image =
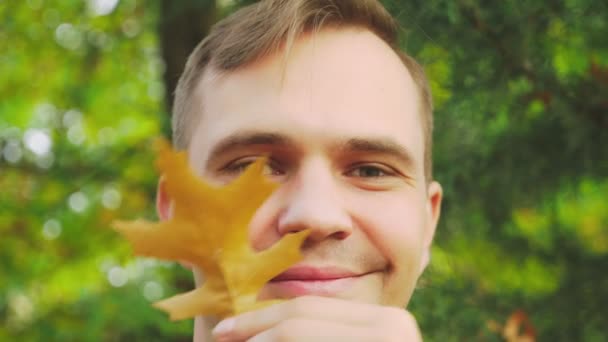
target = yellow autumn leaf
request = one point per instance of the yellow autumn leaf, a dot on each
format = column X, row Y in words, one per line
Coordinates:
column 209, row 228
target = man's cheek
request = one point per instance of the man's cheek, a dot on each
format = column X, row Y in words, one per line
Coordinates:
column 402, row 280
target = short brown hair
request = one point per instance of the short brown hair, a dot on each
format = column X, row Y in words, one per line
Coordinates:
column 268, row 26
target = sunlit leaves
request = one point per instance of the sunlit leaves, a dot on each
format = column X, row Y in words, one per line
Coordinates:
column 584, row 215
column 571, row 56
column 76, row 105
column 520, row 148
column 438, row 71
column 577, row 214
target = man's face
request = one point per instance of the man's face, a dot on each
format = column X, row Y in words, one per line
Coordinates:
column 339, row 120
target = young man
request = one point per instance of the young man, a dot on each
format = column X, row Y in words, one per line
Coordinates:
column 345, row 118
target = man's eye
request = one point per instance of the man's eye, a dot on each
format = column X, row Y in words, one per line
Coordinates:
column 369, row 171
column 239, row 166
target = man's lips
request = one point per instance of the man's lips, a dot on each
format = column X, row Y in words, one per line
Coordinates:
column 303, row 280
column 310, row 273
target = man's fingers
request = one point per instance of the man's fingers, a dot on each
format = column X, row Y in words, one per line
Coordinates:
column 337, row 311
column 321, row 308
column 296, row 330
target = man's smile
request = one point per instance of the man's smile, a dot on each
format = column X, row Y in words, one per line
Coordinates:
column 309, row 280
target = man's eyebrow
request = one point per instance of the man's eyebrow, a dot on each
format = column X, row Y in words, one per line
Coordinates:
column 243, row 139
column 385, row 146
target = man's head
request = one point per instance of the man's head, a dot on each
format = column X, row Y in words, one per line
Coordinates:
column 345, row 119
column 272, row 26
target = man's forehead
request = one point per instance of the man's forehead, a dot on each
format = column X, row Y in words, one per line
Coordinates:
column 349, row 48
column 325, row 86
column 368, row 81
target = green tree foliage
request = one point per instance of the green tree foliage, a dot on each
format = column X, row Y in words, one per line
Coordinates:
column 521, row 93
column 522, row 151
column 82, row 96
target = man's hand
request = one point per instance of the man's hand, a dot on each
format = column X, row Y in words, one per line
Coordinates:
column 312, row 318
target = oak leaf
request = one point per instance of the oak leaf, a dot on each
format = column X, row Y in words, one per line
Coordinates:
column 209, row 228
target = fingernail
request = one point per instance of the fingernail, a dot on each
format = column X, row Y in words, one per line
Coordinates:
column 223, row 327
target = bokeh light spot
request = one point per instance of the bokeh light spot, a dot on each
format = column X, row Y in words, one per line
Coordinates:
column 153, row 291
column 68, row 36
column 78, row 202
column 131, row 28
column 37, row 141
column 76, row 134
column 45, row 115
column 12, row 152
column 51, row 229
column 111, row 198
column 117, row 276
column 72, row 117
column 21, row 306
column 102, row 7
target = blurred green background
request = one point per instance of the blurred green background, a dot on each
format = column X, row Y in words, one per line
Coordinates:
column 521, row 148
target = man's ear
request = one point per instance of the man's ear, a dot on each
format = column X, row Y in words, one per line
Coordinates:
column 433, row 211
column 163, row 202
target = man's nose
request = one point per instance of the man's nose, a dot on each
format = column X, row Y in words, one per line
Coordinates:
column 313, row 201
